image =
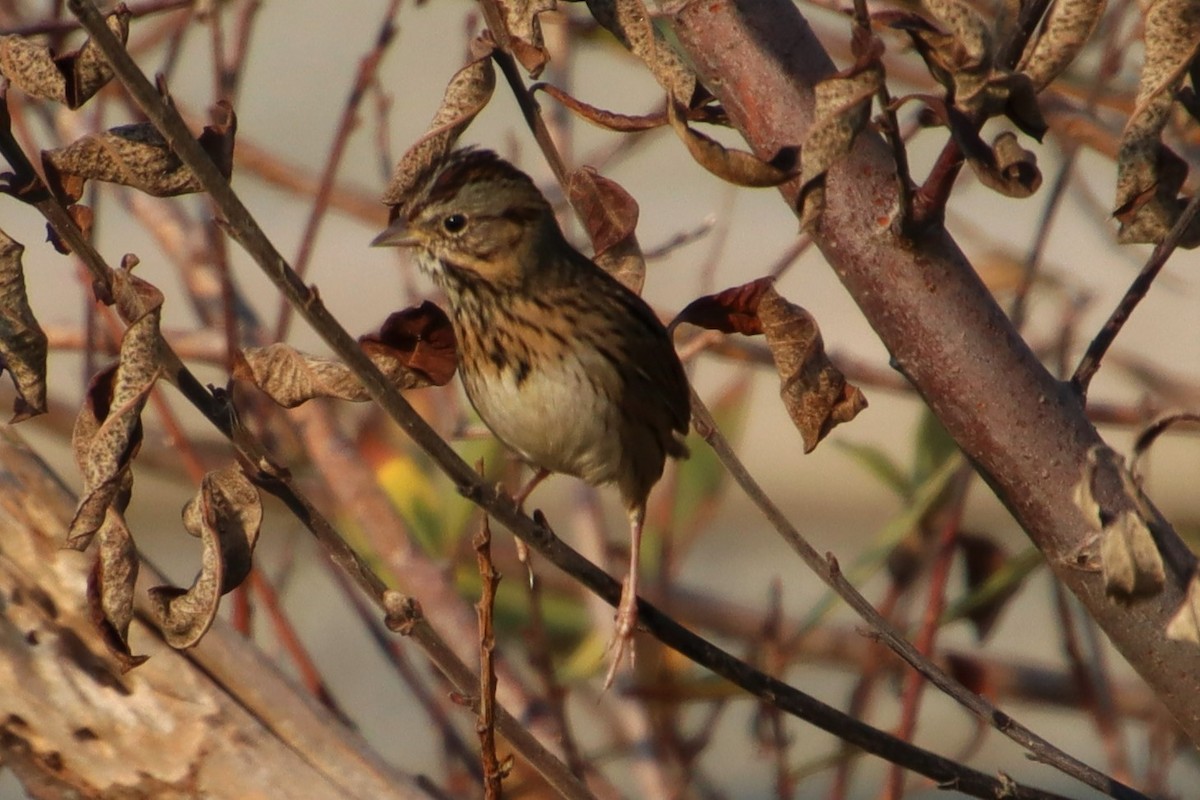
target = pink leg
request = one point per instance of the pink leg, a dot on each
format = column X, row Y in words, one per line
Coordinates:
column 519, row 498
column 627, row 609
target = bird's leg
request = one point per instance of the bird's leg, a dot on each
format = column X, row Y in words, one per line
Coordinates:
column 539, row 475
column 627, row 614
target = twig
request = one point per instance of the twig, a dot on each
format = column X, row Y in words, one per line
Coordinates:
column 929, row 203
column 392, row 648
column 1094, row 687
column 1086, row 369
column 64, row 25
column 368, row 66
column 485, row 726
column 828, row 570
column 269, row 476
column 525, row 100
column 404, row 614
column 938, row 578
column 891, row 127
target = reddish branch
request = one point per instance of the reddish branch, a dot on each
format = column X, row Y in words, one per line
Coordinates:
column 943, row 329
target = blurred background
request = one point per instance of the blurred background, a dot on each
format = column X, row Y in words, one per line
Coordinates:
column 847, row 496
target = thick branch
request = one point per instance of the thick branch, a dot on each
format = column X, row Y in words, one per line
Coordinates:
column 1026, row 432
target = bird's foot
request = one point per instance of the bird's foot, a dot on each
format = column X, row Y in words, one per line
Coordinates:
column 627, row 617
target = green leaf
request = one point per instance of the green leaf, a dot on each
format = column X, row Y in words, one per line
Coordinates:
column 924, row 498
column 933, row 447
column 1004, row 581
column 881, row 465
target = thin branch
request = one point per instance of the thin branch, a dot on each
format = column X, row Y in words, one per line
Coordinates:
column 525, row 99
column 827, row 569
column 1086, row 369
column 942, row 328
column 404, row 614
column 493, row 773
column 368, row 67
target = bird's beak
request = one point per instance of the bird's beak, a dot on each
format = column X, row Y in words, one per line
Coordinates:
column 398, row 234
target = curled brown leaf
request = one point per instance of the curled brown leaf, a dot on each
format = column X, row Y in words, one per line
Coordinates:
column 1012, row 170
column 815, row 393
column 734, row 310
column 414, row 348
column 983, row 559
column 1067, row 28
column 525, row 31
column 1148, row 435
column 1184, row 625
column 418, row 340
column 467, row 93
column 1005, row 166
column 71, row 78
column 735, row 166
column 958, row 49
column 629, row 21
column 1129, row 557
column 1149, row 175
column 610, row 215
column 290, row 377
column 110, row 588
column 137, row 156
column 225, row 515
column 609, row 120
column 23, row 344
column 108, row 429
column 842, row 111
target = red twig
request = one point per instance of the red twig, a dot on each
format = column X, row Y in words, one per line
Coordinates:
column 493, row 772
column 367, row 69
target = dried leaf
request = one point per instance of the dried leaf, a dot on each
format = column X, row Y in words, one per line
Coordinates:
column 629, row 21
column 959, row 52
column 23, row 344
column 1067, row 27
column 110, row 588
column 1184, row 626
column 609, row 120
column 815, row 393
column 984, row 560
column 1130, row 559
column 414, row 348
column 970, row 673
column 1005, row 167
column 225, row 515
column 1012, row 170
column 71, row 78
column 108, row 430
column 841, row 113
column 610, row 215
column 415, row 340
column 735, row 166
column 525, row 31
column 466, row 95
column 1129, row 556
column 734, row 310
column 137, row 156
column 1149, row 175
column 290, row 377
column 1149, row 435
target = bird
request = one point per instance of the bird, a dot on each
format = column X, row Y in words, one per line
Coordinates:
column 566, row 366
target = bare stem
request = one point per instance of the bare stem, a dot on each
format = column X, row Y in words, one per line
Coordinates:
column 1137, row 290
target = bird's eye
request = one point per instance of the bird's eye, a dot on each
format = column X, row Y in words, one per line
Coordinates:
column 454, row 223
